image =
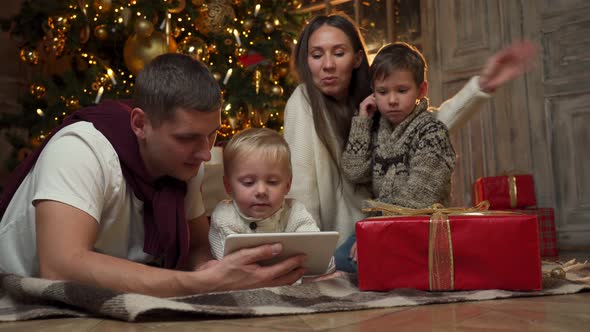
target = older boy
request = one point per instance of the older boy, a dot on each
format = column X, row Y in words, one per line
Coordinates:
column 405, row 155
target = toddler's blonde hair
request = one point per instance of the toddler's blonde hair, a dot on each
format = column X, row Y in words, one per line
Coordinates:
column 261, row 143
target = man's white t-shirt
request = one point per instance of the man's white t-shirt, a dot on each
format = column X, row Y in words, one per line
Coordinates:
column 80, row 167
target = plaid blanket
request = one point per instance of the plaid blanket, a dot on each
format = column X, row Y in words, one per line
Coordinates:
column 23, row 298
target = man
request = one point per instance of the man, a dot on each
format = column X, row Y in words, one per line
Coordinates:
column 115, row 191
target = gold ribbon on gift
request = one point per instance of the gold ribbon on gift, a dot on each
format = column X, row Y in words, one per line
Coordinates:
column 512, row 191
column 441, row 270
column 512, row 188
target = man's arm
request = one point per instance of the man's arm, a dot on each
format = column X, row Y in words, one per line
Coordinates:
column 65, row 240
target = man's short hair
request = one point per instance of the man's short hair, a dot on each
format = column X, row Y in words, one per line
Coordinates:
column 174, row 81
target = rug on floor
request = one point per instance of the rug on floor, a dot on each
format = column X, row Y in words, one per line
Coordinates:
column 23, row 298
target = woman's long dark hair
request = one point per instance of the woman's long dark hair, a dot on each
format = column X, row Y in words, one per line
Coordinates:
column 332, row 118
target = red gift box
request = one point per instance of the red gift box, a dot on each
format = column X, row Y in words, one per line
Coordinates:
column 507, row 191
column 487, row 251
column 547, row 236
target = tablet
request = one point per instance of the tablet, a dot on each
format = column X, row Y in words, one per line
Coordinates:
column 318, row 246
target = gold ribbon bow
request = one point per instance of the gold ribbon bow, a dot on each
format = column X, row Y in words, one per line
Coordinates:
column 441, row 271
column 395, row 210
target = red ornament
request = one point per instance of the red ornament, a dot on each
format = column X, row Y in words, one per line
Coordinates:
column 251, row 59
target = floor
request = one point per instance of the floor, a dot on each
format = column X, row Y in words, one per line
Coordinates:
column 548, row 313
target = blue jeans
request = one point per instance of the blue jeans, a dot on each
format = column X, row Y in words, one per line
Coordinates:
column 341, row 256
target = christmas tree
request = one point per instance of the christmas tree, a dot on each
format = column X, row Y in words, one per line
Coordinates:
column 82, row 51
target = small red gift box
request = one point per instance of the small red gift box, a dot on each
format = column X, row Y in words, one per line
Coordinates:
column 507, row 191
column 547, row 236
column 464, row 252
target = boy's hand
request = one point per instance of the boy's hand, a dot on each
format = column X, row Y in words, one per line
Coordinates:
column 353, row 253
column 368, row 106
column 507, row 64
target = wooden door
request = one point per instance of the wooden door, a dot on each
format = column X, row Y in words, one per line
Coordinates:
column 539, row 123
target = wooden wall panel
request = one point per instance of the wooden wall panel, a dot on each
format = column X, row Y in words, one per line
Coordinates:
column 537, row 123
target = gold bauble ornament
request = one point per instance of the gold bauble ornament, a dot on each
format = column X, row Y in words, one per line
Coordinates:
column 102, row 6
column 37, row 90
column 54, row 44
column 179, row 8
column 268, row 27
column 72, row 103
column 194, row 47
column 214, row 16
column 558, row 273
column 217, row 76
column 101, row 32
column 29, row 55
column 198, row 3
column 248, row 24
column 281, row 56
column 137, row 51
column 59, row 24
column 143, row 28
column 276, row 90
column 282, row 71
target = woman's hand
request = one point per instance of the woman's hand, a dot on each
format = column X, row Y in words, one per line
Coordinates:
column 368, row 106
column 507, row 64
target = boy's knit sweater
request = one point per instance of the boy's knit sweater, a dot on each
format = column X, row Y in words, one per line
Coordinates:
column 408, row 165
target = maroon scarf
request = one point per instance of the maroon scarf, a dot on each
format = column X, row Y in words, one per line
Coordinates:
column 166, row 229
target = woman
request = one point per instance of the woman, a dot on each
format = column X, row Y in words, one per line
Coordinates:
column 331, row 61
